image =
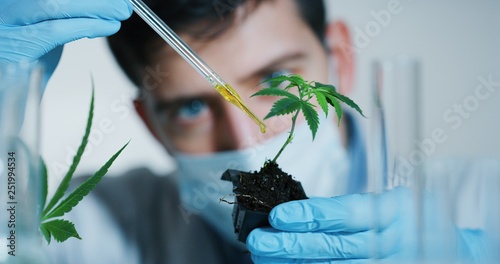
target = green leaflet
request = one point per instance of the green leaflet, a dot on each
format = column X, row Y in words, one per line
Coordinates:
column 325, row 86
column 284, row 106
column 349, row 102
column 45, row 232
column 320, row 97
column 61, row 230
column 276, row 81
column 44, row 183
column 297, row 80
column 311, row 117
column 338, row 109
column 275, row 91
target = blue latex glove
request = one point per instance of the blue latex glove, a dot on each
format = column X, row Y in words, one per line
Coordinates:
column 30, row 29
column 354, row 228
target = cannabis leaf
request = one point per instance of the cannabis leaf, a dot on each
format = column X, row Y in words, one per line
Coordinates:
column 325, row 95
column 284, row 106
column 61, row 229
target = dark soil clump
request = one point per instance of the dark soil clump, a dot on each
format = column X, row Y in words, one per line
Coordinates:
column 262, row 190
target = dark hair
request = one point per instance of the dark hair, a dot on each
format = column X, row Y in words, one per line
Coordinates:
column 135, row 42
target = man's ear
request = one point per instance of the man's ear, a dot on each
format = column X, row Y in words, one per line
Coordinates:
column 342, row 51
column 140, row 108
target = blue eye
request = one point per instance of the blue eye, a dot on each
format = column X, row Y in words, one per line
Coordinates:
column 192, row 109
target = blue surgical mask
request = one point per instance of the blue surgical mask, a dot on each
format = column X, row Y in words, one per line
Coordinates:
column 321, row 166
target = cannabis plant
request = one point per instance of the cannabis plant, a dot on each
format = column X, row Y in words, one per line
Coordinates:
column 290, row 103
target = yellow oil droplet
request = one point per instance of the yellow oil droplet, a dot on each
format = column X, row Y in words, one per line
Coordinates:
column 262, row 128
column 232, row 96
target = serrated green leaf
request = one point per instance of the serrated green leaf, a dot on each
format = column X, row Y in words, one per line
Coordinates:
column 318, row 85
column 297, row 79
column 324, row 90
column 290, row 85
column 338, row 109
column 276, row 81
column 44, row 185
column 45, row 233
column 274, row 91
column 311, row 116
column 284, row 106
column 63, row 186
column 320, row 97
column 77, row 195
column 349, row 102
column 61, row 230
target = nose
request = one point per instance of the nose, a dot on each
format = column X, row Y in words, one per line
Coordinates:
column 235, row 130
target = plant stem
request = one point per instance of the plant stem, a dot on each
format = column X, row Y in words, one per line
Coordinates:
column 290, row 136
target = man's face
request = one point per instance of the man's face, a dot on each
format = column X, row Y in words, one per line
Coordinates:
column 195, row 119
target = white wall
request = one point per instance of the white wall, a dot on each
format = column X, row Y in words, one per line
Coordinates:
column 456, row 41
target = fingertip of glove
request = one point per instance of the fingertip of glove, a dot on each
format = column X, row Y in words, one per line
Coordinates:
column 284, row 213
column 107, row 28
column 252, row 241
column 263, row 241
column 123, row 11
column 130, row 9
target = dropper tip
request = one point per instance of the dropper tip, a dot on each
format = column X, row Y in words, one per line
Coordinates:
column 262, row 128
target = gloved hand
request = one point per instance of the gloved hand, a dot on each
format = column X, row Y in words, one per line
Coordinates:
column 356, row 228
column 30, row 29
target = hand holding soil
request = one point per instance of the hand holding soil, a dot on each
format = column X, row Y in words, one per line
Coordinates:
column 258, row 192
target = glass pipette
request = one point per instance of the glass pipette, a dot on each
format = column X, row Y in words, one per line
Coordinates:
column 190, row 56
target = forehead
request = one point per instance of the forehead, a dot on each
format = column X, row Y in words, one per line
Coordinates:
column 273, row 30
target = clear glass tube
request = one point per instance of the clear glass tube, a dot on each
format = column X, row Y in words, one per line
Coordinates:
column 175, row 42
column 20, row 180
column 394, row 129
column 396, row 101
column 399, row 160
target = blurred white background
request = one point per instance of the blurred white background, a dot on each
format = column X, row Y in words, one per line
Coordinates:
column 456, row 42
